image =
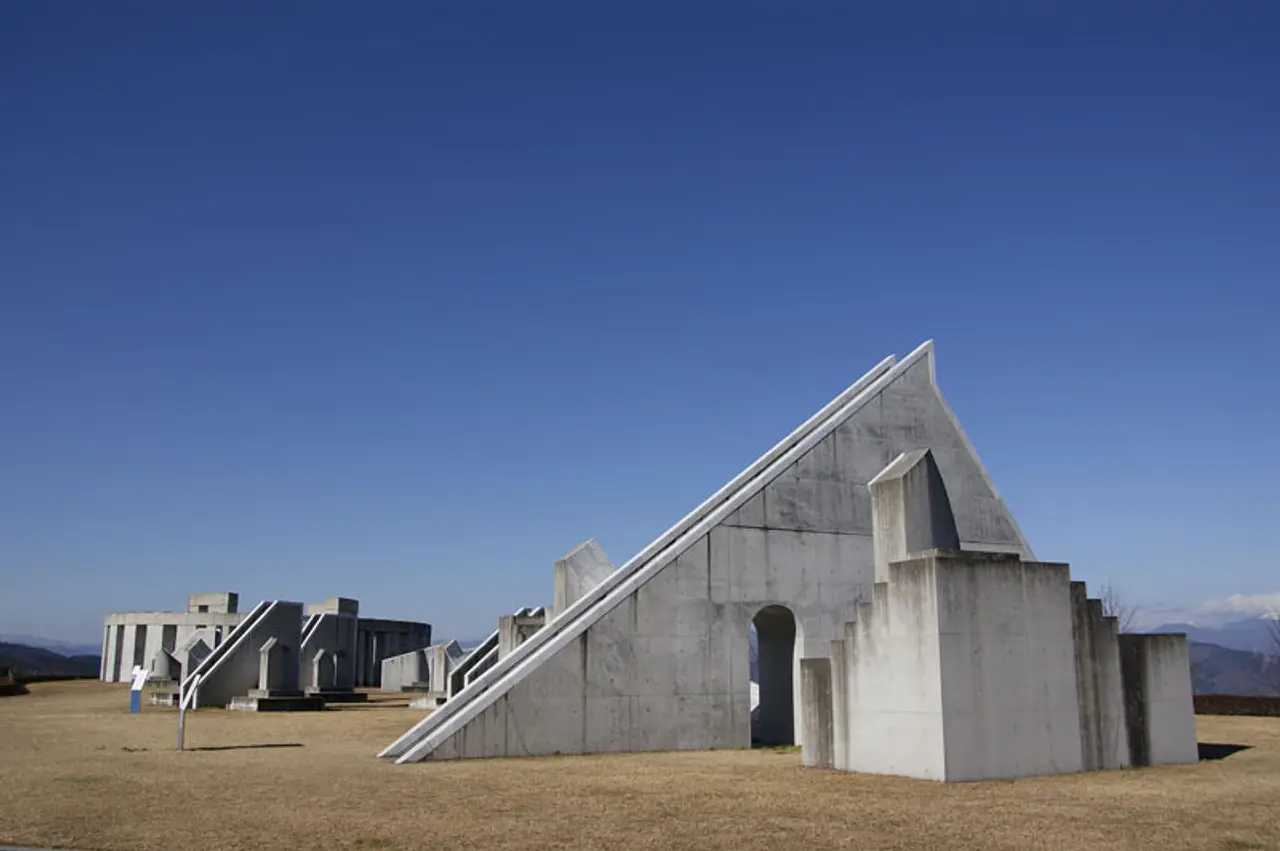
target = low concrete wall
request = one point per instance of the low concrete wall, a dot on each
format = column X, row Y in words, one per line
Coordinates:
column 1237, row 704
column 405, row 671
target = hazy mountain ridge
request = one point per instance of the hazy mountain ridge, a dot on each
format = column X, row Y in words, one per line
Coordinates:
column 1252, row 635
column 27, row 660
column 62, row 648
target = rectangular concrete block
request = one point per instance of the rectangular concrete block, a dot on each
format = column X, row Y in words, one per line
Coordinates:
column 1159, row 707
column 817, row 747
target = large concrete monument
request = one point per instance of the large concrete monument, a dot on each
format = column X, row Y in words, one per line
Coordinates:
column 655, row 655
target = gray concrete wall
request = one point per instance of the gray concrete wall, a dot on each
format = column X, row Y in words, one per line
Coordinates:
column 122, row 632
column 894, row 683
column 222, row 602
column 232, row 670
column 1159, row 706
column 405, row 671
column 336, row 634
column 514, row 630
column 379, row 639
column 1104, row 740
column 667, row 666
column 1009, row 700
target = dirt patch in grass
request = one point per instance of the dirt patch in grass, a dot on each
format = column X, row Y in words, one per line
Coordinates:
column 78, row 771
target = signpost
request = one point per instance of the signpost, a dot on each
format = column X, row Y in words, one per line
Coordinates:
column 186, row 695
column 140, row 675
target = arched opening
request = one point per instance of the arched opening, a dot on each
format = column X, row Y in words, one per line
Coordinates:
column 774, row 638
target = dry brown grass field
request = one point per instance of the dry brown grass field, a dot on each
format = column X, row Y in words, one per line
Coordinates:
column 78, row 771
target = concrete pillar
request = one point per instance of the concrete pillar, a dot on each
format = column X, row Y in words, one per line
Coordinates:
column 839, row 706
column 130, row 633
column 910, row 511
column 1113, row 731
column 108, row 653
column 1159, row 707
column 155, row 643
column 1086, row 679
column 815, row 697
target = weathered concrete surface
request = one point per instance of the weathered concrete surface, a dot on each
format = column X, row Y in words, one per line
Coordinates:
column 407, row 671
column 514, row 630
column 655, row 657
column 577, row 572
column 1159, row 707
column 335, row 632
column 380, row 639
column 815, row 688
column 1104, row 739
column 962, row 668
column 233, row 668
column 910, row 511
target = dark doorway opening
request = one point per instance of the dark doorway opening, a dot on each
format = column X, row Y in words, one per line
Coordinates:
column 773, row 720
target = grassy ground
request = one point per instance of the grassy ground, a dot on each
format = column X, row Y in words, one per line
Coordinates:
column 76, row 770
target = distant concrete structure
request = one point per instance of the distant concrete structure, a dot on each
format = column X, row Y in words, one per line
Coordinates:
column 138, row 638
column 171, row 643
column 655, row 655
column 382, row 639
column 330, row 642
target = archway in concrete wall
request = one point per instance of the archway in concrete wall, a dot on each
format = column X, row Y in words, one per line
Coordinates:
column 773, row 721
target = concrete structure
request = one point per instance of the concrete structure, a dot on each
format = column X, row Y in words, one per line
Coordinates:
column 977, row 666
column 577, row 572
column 514, row 630
column 137, row 638
column 655, row 656
column 407, row 672
column 169, row 643
column 330, row 638
column 382, row 639
column 259, row 658
column 1158, row 704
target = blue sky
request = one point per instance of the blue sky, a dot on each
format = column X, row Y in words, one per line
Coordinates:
column 402, row 301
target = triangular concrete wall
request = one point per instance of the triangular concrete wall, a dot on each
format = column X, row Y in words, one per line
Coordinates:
column 657, row 657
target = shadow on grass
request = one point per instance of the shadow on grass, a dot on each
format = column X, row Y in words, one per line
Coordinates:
column 247, row 747
column 1209, row 750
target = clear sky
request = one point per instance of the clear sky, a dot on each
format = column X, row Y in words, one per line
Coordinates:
column 400, row 301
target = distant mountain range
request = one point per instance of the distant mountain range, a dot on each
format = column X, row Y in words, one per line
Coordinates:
column 64, row 648
column 1223, row 670
column 1251, row 634
column 36, row 660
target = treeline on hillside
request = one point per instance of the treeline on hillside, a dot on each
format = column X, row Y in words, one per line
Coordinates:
column 33, row 661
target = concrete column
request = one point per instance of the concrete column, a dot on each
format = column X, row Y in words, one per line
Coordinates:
column 839, row 707
column 1086, row 679
column 155, row 643
column 1113, row 732
column 130, row 632
column 815, row 697
column 1159, row 707
column 101, row 664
